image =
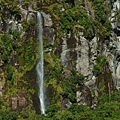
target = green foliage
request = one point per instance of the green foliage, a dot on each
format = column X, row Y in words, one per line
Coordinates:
column 69, row 89
column 10, row 8
column 109, row 111
column 9, row 71
column 69, row 85
column 17, row 53
column 115, row 96
column 15, row 34
column 77, row 16
column 106, row 110
column 8, row 115
column 81, row 112
column 6, row 46
column 54, row 71
column 102, row 14
column 100, row 61
column 29, row 55
column 24, row 51
column 63, row 115
column 108, row 107
column 27, row 24
column 102, row 11
column 52, row 79
column 52, row 110
column 118, row 15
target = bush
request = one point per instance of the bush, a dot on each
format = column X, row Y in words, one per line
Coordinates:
column 52, row 110
column 8, row 115
column 100, row 61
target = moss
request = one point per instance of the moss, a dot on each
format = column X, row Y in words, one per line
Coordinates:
column 49, row 60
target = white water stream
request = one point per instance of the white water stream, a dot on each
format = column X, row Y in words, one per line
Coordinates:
column 40, row 64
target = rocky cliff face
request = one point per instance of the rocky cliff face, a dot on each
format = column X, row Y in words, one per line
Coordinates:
column 79, row 53
column 76, row 46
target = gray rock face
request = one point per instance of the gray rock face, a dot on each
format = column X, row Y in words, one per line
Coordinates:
column 47, row 20
column 82, row 62
column 18, row 102
column 112, row 51
column 116, row 7
column 49, row 35
column 83, row 95
column 66, row 103
column 78, row 53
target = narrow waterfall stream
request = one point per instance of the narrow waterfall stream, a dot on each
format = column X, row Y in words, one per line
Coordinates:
column 40, row 65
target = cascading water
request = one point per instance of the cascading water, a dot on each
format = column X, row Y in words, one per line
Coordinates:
column 40, row 65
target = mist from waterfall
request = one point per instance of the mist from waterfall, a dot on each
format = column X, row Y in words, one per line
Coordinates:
column 40, row 65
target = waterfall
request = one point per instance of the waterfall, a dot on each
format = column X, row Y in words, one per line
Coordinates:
column 40, row 65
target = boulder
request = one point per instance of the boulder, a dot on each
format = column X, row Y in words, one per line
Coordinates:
column 14, row 103
column 47, row 20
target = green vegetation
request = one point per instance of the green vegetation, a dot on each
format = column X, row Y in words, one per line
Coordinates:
column 69, row 86
column 19, row 55
column 107, row 110
column 100, row 62
column 77, row 17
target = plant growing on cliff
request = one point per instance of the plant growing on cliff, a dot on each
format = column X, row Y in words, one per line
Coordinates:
column 100, row 61
column 69, row 85
column 74, row 16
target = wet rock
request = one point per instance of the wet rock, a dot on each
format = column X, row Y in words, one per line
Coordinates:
column 47, row 20
column 49, row 35
column 30, row 16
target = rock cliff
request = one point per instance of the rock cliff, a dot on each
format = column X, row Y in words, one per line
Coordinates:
column 81, row 44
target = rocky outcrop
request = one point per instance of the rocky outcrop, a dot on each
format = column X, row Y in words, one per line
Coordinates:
column 83, row 95
column 80, row 54
column 76, row 52
column 66, row 103
column 18, row 101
